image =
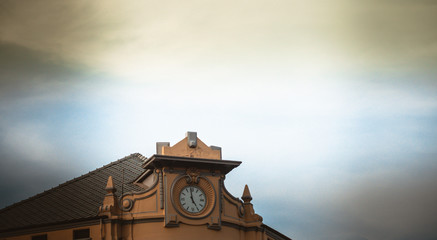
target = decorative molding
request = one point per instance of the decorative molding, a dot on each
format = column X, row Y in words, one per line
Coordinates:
column 239, row 208
column 144, row 220
column 179, row 183
column 241, row 211
column 220, row 196
column 215, row 223
column 238, row 203
column 166, row 214
column 240, row 227
column 127, row 204
column 161, row 190
column 192, row 175
column 172, row 221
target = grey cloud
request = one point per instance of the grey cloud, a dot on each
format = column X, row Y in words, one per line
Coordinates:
column 392, row 33
column 40, row 109
column 371, row 34
column 397, row 204
column 21, row 178
column 28, row 73
column 71, row 30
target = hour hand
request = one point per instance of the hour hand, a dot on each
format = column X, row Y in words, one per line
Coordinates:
column 195, row 205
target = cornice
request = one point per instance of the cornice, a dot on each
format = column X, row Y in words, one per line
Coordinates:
column 159, row 161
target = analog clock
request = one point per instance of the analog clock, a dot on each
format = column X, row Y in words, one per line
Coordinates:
column 192, row 199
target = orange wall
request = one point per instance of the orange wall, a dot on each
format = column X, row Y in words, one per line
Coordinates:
column 186, row 232
column 154, row 230
column 60, row 234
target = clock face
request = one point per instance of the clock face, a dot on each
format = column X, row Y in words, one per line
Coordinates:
column 192, row 199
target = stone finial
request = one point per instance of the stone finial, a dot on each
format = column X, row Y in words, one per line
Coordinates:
column 246, row 195
column 110, row 189
column 110, row 203
column 249, row 212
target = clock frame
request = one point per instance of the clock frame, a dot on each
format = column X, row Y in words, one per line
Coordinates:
column 199, row 182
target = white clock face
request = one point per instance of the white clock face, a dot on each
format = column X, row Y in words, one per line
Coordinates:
column 192, row 199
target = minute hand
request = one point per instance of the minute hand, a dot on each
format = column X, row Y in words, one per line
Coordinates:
column 192, row 199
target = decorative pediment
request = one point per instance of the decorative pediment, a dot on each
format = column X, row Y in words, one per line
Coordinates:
column 190, row 146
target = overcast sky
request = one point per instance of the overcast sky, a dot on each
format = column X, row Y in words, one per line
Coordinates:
column 331, row 105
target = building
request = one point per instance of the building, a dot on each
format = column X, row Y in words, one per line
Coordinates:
column 178, row 193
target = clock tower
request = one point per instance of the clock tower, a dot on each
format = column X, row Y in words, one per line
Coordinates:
column 192, row 181
column 184, row 197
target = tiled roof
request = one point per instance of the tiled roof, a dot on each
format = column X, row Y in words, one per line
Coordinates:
column 79, row 198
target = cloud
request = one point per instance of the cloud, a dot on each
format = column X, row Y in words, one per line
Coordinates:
column 143, row 40
column 28, row 142
column 392, row 204
column 28, row 75
column 42, row 102
column 397, row 202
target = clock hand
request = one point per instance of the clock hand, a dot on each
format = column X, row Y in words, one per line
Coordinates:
column 192, row 199
column 191, row 196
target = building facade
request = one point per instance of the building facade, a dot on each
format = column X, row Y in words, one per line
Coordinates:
column 178, row 193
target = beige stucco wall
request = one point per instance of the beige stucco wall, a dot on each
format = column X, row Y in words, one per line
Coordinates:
column 185, row 232
column 60, row 234
column 152, row 230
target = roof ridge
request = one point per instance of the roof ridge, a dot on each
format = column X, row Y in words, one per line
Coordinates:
column 138, row 155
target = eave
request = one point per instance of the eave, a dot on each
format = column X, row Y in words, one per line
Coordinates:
column 160, row 161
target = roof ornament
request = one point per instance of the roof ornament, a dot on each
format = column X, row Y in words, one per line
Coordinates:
column 110, row 189
column 246, row 195
column 249, row 212
column 192, row 139
column 109, row 206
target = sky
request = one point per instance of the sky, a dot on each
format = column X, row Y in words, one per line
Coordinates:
column 330, row 105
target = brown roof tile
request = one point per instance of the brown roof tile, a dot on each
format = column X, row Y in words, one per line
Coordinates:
column 79, row 198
